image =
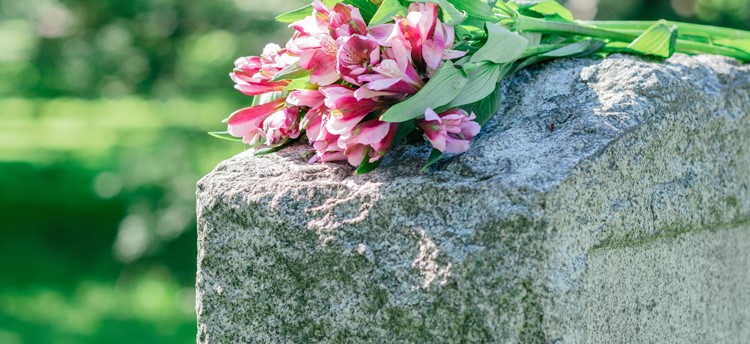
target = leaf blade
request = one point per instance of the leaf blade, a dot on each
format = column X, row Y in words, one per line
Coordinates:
column 482, row 82
column 291, row 72
column 434, row 157
column 295, row 15
column 387, row 10
column 440, row 90
column 658, row 40
column 552, row 9
column 502, row 46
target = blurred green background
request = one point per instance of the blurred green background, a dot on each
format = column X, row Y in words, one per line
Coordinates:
column 104, row 109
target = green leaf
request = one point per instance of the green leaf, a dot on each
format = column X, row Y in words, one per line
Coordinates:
column 580, row 48
column 387, row 10
column 302, row 83
column 366, row 7
column 404, row 129
column 224, row 135
column 366, row 166
column 525, row 4
column 482, row 82
column 549, row 52
column 268, row 97
column 500, row 4
column 502, row 46
column 739, row 44
column 451, row 15
column 552, row 10
column 478, row 9
column 440, row 90
column 534, row 38
column 292, row 71
column 295, row 15
column 434, row 157
column 487, row 107
column 658, row 40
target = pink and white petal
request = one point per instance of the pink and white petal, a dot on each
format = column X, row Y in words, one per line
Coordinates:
column 382, row 34
column 356, row 154
column 255, row 114
column 470, row 129
column 322, row 69
column 365, row 93
column 456, row 146
column 382, row 84
column 438, row 141
column 372, row 132
column 449, row 54
column 341, row 126
column 431, row 115
column 432, row 53
column 309, row 98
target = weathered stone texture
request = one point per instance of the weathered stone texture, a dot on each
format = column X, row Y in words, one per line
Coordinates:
column 629, row 223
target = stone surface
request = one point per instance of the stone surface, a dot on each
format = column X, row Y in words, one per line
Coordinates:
column 629, row 223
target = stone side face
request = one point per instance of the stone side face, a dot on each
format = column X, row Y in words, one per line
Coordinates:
column 630, row 222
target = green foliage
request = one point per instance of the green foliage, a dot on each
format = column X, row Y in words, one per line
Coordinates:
column 502, row 46
column 658, row 40
column 482, row 82
column 552, row 10
column 290, row 72
column 434, row 157
column 444, row 86
column 79, row 178
column 451, row 15
column 295, row 15
column 487, row 107
column 387, row 10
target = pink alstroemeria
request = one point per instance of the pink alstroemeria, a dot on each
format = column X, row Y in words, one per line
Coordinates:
column 369, row 140
column 346, row 110
column 450, row 131
column 253, row 74
column 247, row 123
column 323, row 142
column 319, row 37
column 307, row 98
column 346, row 21
column 281, row 126
column 427, row 39
column 356, row 56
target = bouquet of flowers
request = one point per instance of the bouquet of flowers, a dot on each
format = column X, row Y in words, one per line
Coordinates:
column 359, row 76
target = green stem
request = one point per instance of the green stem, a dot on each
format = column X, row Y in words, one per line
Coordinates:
column 529, row 24
column 682, row 28
column 535, row 50
column 690, row 47
column 629, row 31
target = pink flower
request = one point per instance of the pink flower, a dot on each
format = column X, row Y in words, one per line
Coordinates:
column 356, row 56
column 426, row 38
column 307, row 98
column 253, row 74
column 323, row 142
column 247, row 123
column 369, row 140
column 319, row 37
column 346, row 110
column 450, row 131
column 346, row 21
column 281, row 126
column 321, row 62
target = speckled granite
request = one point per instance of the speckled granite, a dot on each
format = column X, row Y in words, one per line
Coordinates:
column 629, row 223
